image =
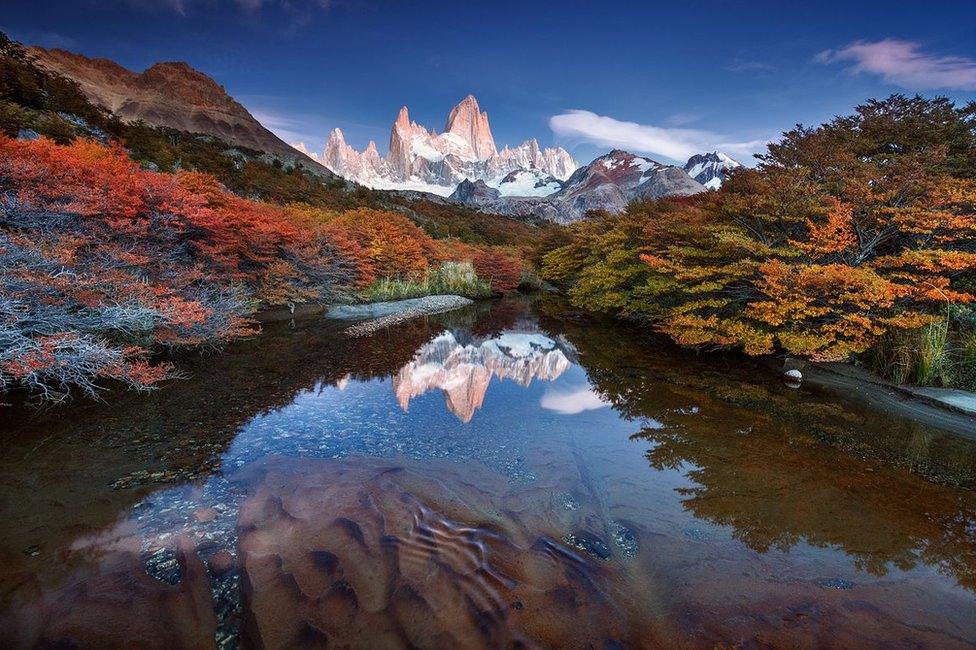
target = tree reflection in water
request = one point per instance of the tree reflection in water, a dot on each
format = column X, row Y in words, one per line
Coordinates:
column 764, row 458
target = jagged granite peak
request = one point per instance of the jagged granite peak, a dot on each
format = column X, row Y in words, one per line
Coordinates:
column 468, row 121
column 711, row 169
column 371, row 155
column 344, row 160
column 419, row 158
column 403, row 117
column 170, row 94
column 555, row 161
column 338, row 154
column 301, row 147
column 406, row 137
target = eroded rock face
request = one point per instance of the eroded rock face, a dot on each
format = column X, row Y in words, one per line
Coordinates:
column 608, row 183
column 470, row 123
column 170, row 94
column 476, row 191
column 379, row 553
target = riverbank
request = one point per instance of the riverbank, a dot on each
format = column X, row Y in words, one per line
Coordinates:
column 950, row 409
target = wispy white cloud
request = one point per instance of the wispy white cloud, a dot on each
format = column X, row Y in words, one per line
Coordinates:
column 678, row 144
column 682, row 118
column 288, row 128
column 573, row 401
column 905, row 64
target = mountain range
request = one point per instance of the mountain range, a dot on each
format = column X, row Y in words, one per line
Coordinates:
column 608, row 183
column 423, row 159
column 173, row 95
column 461, row 162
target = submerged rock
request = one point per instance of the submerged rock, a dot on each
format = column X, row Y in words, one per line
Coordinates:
column 394, row 553
column 589, row 544
column 222, row 563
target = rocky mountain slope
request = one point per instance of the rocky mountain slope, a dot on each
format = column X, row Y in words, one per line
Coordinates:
column 423, row 159
column 608, row 183
column 170, row 94
column 710, row 169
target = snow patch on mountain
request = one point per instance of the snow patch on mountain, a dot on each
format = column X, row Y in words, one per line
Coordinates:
column 526, row 182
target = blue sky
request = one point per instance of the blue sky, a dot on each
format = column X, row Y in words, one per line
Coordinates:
column 659, row 78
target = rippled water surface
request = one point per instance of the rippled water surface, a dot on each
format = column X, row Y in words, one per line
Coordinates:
column 507, row 475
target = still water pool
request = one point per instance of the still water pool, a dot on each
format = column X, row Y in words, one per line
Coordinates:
column 508, row 475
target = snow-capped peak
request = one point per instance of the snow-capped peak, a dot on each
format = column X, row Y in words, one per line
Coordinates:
column 711, row 169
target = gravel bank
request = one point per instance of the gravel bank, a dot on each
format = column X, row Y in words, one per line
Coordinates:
column 386, row 314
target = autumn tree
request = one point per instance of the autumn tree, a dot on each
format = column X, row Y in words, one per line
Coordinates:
column 842, row 234
column 502, row 271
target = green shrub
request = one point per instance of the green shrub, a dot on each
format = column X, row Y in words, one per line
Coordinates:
column 457, row 278
column 529, row 282
column 932, row 360
column 941, row 354
column 56, row 128
column 13, row 118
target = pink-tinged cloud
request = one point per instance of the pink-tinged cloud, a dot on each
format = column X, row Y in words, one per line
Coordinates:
column 675, row 143
column 903, row 63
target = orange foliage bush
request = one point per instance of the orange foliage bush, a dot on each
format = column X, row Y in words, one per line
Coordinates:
column 396, row 247
column 501, row 270
column 102, row 262
column 97, row 254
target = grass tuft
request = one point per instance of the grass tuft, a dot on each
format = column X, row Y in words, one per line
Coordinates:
column 457, row 278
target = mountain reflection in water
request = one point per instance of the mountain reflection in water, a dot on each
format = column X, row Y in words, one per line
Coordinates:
column 463, row 372
column 636, row 496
